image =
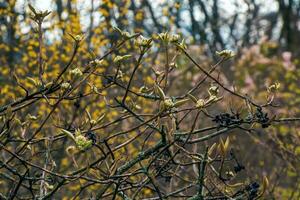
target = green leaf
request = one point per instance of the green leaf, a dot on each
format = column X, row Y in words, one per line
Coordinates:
column 69, row 134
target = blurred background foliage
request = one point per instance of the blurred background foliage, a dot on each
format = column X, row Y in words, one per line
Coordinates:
column 264, row 34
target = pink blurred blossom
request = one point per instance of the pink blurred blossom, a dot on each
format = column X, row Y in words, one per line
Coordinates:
column 287, row 63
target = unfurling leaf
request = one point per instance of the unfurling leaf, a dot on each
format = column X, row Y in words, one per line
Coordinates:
column 226, row 54
column 32, row 9
column 118, row 59
column 274, row 87
column 9, row 112
column 160, row 92
column 213, row 90
column 141, row 41
column 69, row 134
column 226, row 145
column 71, row 150
column 265, row 184
column 35, row 82
column 223, row 147
column 174, row 38
column 193, row 98
column 180, row 103
column 32, row 117
column 212, row 148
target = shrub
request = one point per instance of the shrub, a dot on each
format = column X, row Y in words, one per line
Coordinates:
column 143, row 120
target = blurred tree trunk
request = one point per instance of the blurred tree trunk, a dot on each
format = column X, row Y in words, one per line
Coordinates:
column 59, row 9
column 10, row 21
column 252, row 13
column 158, row 26
column 289, row 32
column 91, row 26
column 195, row 26
column 203, row 35
column 215, row 21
